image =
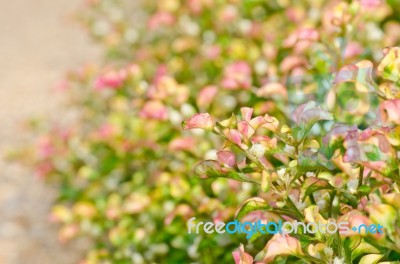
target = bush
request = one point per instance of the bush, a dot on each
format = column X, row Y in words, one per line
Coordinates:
column 317, row 136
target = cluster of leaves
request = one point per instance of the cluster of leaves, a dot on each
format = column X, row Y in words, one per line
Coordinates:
column 125, row 166
column 337, row 172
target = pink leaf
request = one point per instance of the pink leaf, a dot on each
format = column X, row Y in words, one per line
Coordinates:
column 282, row 245
column 257, row 121
column 234, row 136
column 338, row 131
column 309, row 113
column 272, row 89
column 154, row 110
column 390, row 111
column 245, row 129
column 242, row 257
column 206, row 96
column 186, row 143
column 291, row 62
column 247, row 112
column 237, row 76
column 160, row 19
column 359, row 73
column 201, row 120
column 371, row 4
column 111, row 79
column 227, row 158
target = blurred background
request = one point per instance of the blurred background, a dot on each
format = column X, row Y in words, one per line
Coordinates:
column 39, row 42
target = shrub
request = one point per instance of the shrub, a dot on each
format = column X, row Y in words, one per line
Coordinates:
column 317, row 136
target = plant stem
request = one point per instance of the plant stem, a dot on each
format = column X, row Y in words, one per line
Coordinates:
column 333, row 194
column 368, row 176
column 312, row 199
column 360, row 176
column 292, row 206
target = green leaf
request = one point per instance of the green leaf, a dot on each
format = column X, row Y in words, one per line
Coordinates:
column 320, row 184
column 298, row 133
column 349, row 245
column 286, row 212
column 308, row 161
column 364, row 248
column 239, row 177
column 354, row 242
column 255, row 236
column 371, row 259
column 228, row 123
column 335, row 242
column 352, row 200
column 252, row 204
column 325, row 162
column 210, row 169
column 364, row 189
column 374, row 153
column 265, row 181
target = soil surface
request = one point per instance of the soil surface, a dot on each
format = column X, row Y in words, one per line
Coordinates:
column 39, row 42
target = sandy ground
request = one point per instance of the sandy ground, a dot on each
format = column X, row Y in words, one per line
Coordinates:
column 38, row 43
